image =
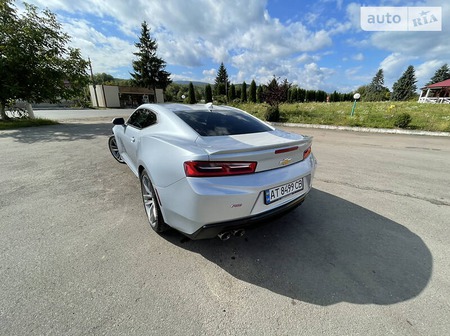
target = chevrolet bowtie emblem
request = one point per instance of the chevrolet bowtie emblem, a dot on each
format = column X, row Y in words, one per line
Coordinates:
column 286, row 161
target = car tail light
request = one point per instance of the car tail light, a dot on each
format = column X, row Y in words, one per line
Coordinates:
column 285, row 150
column 306, row 152
column 218, row 168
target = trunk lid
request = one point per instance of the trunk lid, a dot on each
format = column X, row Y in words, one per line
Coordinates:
column 270, row 150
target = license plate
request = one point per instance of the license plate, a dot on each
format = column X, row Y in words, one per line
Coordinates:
column 284, row 190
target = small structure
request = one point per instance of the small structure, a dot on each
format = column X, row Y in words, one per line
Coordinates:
column 437, row 93
column 123, row 96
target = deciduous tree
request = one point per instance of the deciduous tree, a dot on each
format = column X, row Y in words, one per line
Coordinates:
column 276, row 92
column 103, row 78
column 36, row 63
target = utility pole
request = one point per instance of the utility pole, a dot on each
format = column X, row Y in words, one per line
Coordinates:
column 93, row 83
column 226, row 90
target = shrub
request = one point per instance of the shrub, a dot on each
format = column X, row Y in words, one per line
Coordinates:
column 402, row 120
column 220, row 99
column 272, row 114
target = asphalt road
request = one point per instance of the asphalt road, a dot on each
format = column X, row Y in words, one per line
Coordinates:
column 83, row 114
column 366, row 254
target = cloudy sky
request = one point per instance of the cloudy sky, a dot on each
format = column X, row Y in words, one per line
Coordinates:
column 314, row 44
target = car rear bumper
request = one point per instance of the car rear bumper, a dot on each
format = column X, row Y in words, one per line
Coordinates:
column 214, row 205
column 212, row 230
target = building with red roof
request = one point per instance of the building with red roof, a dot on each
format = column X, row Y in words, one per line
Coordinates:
column 436, row 93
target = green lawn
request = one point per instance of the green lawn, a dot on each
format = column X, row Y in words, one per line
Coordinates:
column 19, row 123
column 428, row 117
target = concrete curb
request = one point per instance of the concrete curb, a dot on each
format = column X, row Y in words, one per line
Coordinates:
column 364, row 129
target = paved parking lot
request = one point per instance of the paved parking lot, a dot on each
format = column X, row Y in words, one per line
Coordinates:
column 367, row 253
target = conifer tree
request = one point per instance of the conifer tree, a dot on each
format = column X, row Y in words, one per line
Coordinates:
column 208, row 94
column 252, row 92
column 244, row 92
column 441, row 74
column 221, row 83
column 405, row 87
column 259, row 94
column 232, row 94
column 376, row 91
column 191, row 98
column 149, row 69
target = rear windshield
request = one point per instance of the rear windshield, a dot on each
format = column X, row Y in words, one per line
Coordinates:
column 221, row 122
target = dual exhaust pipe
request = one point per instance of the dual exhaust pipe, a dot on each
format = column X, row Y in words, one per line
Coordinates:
column 227, row 234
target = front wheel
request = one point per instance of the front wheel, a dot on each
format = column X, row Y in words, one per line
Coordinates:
column 151, row 205
column 114, row 149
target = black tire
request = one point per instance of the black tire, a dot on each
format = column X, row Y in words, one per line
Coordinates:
column 151, row 205
column 114, row 149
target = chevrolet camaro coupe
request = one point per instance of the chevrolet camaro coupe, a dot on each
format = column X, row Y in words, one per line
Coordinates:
column 209, row 170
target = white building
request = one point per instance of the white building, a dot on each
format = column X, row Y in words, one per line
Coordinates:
column 123, row 96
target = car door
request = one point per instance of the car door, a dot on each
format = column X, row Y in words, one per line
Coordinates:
column 139, row 120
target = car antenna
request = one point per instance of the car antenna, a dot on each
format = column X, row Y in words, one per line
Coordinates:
column 209, row 106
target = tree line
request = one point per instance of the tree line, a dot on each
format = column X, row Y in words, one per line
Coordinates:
column 403, row 89
column 37, row 64
column 223, row 91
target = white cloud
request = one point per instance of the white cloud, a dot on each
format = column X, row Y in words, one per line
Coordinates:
column 426, row 70
column 306, row 58
column 393, row 66
column 353, row 78
column 352, row 71
column 209, row 75
column 241, row 33
column 210, row 72
column 314, row 77
column 199, row 34
column 358, row 57
column 107, row 53
column 427, row 45
column 353, row 14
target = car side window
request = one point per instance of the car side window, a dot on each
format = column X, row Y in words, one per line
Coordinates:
column 150, row 118
column 142, row 118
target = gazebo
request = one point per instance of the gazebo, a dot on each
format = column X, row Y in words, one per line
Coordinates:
column 436, row 93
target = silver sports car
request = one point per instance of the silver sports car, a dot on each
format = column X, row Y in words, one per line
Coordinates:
column 210, row 170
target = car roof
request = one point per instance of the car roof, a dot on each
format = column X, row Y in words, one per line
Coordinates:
column 174, row 107
column 174, row 124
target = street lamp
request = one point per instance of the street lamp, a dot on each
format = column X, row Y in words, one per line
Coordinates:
column 356, row 97
column 93, row 82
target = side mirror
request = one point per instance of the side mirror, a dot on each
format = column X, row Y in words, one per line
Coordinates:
column 118, row 121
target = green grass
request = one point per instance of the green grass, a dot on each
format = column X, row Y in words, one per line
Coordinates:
column 24, row 122
column 427, row 117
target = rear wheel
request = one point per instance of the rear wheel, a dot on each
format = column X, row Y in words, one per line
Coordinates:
column 114, row 149
column 151, row 205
